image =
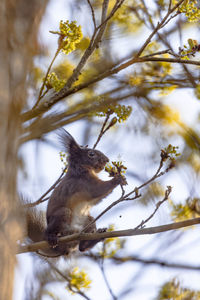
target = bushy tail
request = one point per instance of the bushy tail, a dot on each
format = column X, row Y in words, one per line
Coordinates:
column 35, row 228
column 36, row 225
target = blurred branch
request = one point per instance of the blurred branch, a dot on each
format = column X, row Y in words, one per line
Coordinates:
column 121, row 233
column 163, row 38
column 145, row 261
column 45, row 78
column 94, row 43
column 111, row 71
column 52, row 122
column 96, row 38
column 93, row 14
column 67, row 279
column 101, row 266
column 163, row 22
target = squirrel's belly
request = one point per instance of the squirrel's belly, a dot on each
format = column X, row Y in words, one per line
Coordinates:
column 80, row 216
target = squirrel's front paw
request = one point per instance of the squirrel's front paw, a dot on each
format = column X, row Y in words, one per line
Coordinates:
column 52, row 240
column 120, row 179
column 101, row 230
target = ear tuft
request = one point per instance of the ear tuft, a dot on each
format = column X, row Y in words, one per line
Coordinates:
column 67, row 141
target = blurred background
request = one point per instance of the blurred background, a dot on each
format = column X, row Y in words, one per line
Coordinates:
column 154, row 103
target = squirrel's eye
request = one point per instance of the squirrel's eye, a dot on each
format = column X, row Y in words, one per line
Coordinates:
column 91, row 153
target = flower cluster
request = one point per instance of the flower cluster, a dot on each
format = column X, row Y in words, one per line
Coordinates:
column 54, row 82
column 70, row 35
column 191, row 10
column 78, row 280
column 122, row 112
column 170, row 152
column 190, row 50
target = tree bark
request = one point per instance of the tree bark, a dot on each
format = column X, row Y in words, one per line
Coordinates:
column 19, row 21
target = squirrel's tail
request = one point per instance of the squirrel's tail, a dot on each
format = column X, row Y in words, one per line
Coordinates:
column 35, row 225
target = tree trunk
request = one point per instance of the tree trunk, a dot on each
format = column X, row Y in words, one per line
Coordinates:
column 19, row 20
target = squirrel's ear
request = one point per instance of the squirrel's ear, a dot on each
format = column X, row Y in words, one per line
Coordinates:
column 67, row 141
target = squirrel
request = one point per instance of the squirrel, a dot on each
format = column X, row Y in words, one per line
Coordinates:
column 69, row 205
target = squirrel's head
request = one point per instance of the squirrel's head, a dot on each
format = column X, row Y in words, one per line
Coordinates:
column 82, row 156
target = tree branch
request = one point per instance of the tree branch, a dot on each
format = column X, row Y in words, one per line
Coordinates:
column 121, row 233
column 158, row 27
column 111, row 71
column 93, row 14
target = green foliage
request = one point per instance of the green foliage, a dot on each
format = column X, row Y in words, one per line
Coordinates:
column 38, row 74
column 164, row 115
column 189, row 50
column 189, row 210
column 122, row 112
column 154, row 74
column 197, row 91
column 111, row 245
column 191, row 10
column 172, row 290
column 125, row 18
column 64, row 69
column 78, row 280
column 152, row 192
column 166, row 90
column 181, row 212
column 69, row 35
column 83, row 44
column 162, row 3
column 194, row 161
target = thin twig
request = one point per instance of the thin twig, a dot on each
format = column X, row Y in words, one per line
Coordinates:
column 117, row 5
column 45, row 78
column 102, row 130
column 155, row 176
column 41, row 199
column 104, row 11
column 167, row 193
column 101, row 265
column 170, row 5
column 159, row 53
column 93, row 14
column 94, row 43
column 159, row 26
